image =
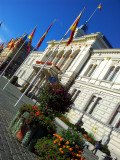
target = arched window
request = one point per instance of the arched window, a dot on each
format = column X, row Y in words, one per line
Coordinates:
column 75, row 94
column 90, row 70
column 110, row 72
column 115, row 121
column 93, row 104
column 115, row 73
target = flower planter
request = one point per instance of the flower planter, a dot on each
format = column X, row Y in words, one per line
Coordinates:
column 21, row 133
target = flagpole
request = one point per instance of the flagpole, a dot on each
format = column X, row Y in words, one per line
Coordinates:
column 22, row 64
column 45, row 63
column 91, row 15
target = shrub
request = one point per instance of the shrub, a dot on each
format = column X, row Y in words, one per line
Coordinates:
column 104, row 148
column 46, row 149
column 67, row 148
column 74, row 138
column 56, row 98
column 14, row 80
column 25, row 87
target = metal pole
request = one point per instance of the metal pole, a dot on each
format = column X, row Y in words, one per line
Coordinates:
column 91, row 15
column 45, row 63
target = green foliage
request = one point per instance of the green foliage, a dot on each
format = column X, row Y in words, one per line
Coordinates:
column 14, row 80
column 74, row 138
column 25, row 87
column 104, row 148
column 55, row 98
column 46, row 149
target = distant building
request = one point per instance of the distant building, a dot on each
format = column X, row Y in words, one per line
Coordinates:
column 6, row 55
column 90, row 67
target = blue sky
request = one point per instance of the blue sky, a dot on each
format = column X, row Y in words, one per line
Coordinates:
column 23, row 15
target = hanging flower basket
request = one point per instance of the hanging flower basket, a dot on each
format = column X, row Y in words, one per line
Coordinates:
column 49, row 63
column 57, row 67
column 38, row 62
column 42, row 62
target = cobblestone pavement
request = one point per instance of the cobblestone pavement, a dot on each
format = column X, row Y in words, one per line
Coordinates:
column 10, row 148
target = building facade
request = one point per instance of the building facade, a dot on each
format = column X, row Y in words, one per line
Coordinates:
column 7, row 54
column 90, row 67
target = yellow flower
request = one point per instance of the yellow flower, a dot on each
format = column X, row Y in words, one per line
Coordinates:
column 60, row 149
column 67, row 146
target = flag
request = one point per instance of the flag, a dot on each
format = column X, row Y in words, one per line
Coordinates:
column 19, row 40
column 99, row 6
column 13, row 42
column 43, row 37
column 73, row 28
column 30, row 41
column 10, row 43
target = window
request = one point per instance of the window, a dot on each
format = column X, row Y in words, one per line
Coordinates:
column 75, row 94
column 22, row 74
column 112, row 73
column 90, row 70
column 93, row 104
column 115, row 121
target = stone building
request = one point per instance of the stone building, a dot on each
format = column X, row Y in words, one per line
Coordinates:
column 7, row 54
column 90, row 67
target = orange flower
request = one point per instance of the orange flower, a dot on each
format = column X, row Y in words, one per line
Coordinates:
column 90, row 139
column 54, row 141
column 77, row 147
column 67, row 146
column 85, row 135
column 67, row 142
column 59, row 144
column 64, row 146
column 62, row 152
column 72, row 159
column 78, row 155
column 80, row 151
column 60, row 149
column 54, row 134
column 82, row 158
column 76, row 159
column 60, row 139
column 70, row 149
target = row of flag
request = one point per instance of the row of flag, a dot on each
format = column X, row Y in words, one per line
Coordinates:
column 14, row 43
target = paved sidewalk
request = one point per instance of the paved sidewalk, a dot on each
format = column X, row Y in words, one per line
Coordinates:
column 10, row 148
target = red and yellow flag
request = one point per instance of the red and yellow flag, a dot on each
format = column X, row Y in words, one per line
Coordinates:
column 10, row 43
column 43, row 37
column 13, row 42
column 19, row 40
column 30, row 41
column 73, row 28
column 99, row 6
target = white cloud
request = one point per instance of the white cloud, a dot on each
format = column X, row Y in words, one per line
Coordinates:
column 1, row 40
